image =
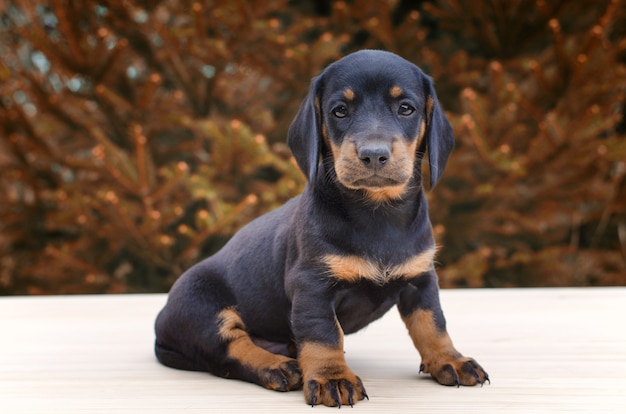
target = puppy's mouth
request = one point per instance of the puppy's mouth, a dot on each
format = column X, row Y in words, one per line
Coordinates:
column 375, row 181
column 379, row 188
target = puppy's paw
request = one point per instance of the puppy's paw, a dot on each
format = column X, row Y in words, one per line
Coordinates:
column 455, row 370
column 334, row 389
column 284, row 376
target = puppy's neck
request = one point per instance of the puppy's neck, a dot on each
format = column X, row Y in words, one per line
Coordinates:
column 361, row 205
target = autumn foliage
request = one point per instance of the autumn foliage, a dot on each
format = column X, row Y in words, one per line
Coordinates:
column 137, row 136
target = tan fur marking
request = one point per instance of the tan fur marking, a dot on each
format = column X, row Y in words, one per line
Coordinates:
column 420, row 136
column 417, row 264
column 322, row 364
column 318, row 116
column 325, row 137
column 411, row 146
column 242, row 349
column 352, row 268
column 382, row 195
column 430, row 104
column 348, row 93
column 317, row 358
column 439, row 357
column 386, row 194
column 349, row 168
column 231, row 325
column 336, row 150
column 431, row 343
column 437, row 351
column 395, row 91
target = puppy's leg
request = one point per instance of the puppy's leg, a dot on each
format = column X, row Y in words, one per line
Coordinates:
column 199, row 329
column 327, row 379
column 421, row 312
column 252, row 363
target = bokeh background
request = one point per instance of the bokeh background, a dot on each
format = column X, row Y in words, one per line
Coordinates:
column 137, row 136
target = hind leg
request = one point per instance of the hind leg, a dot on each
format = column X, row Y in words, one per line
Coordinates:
column 200, row 330
column 252, row 363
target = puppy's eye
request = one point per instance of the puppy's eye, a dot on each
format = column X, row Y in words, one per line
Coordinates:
column 340, row 111
column 405, row 109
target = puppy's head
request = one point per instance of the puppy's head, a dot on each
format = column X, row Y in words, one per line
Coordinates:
column 374, row 114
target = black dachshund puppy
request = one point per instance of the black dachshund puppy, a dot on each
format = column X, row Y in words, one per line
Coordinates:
column 273, row 305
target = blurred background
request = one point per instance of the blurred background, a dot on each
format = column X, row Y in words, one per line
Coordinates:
column 137, row 136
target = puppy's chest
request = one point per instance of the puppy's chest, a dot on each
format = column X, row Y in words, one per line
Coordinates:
column 354, row 268
column 360, row 303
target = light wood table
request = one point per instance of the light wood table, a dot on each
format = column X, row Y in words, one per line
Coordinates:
column 546, row 350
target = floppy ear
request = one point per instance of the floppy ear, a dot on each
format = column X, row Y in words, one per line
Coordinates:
column 439, row 136
column 305, row 133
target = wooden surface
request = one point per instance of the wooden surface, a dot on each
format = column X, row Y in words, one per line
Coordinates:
column 546, row 350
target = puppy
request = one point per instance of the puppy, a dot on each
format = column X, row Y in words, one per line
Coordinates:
column 273, row 305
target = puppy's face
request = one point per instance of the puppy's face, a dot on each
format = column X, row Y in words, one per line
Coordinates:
column 373, row 122
column 371, row 114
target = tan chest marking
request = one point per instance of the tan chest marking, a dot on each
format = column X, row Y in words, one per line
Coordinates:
column 353, row 268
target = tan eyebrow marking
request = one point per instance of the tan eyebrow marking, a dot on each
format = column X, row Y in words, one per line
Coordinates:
column 395, row 91
column 348, row 93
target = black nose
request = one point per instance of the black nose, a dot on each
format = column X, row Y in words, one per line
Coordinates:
column 374, row 155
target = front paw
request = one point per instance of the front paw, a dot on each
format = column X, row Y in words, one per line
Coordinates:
column 334, row 389
column 455, row 370
column 326, row 377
